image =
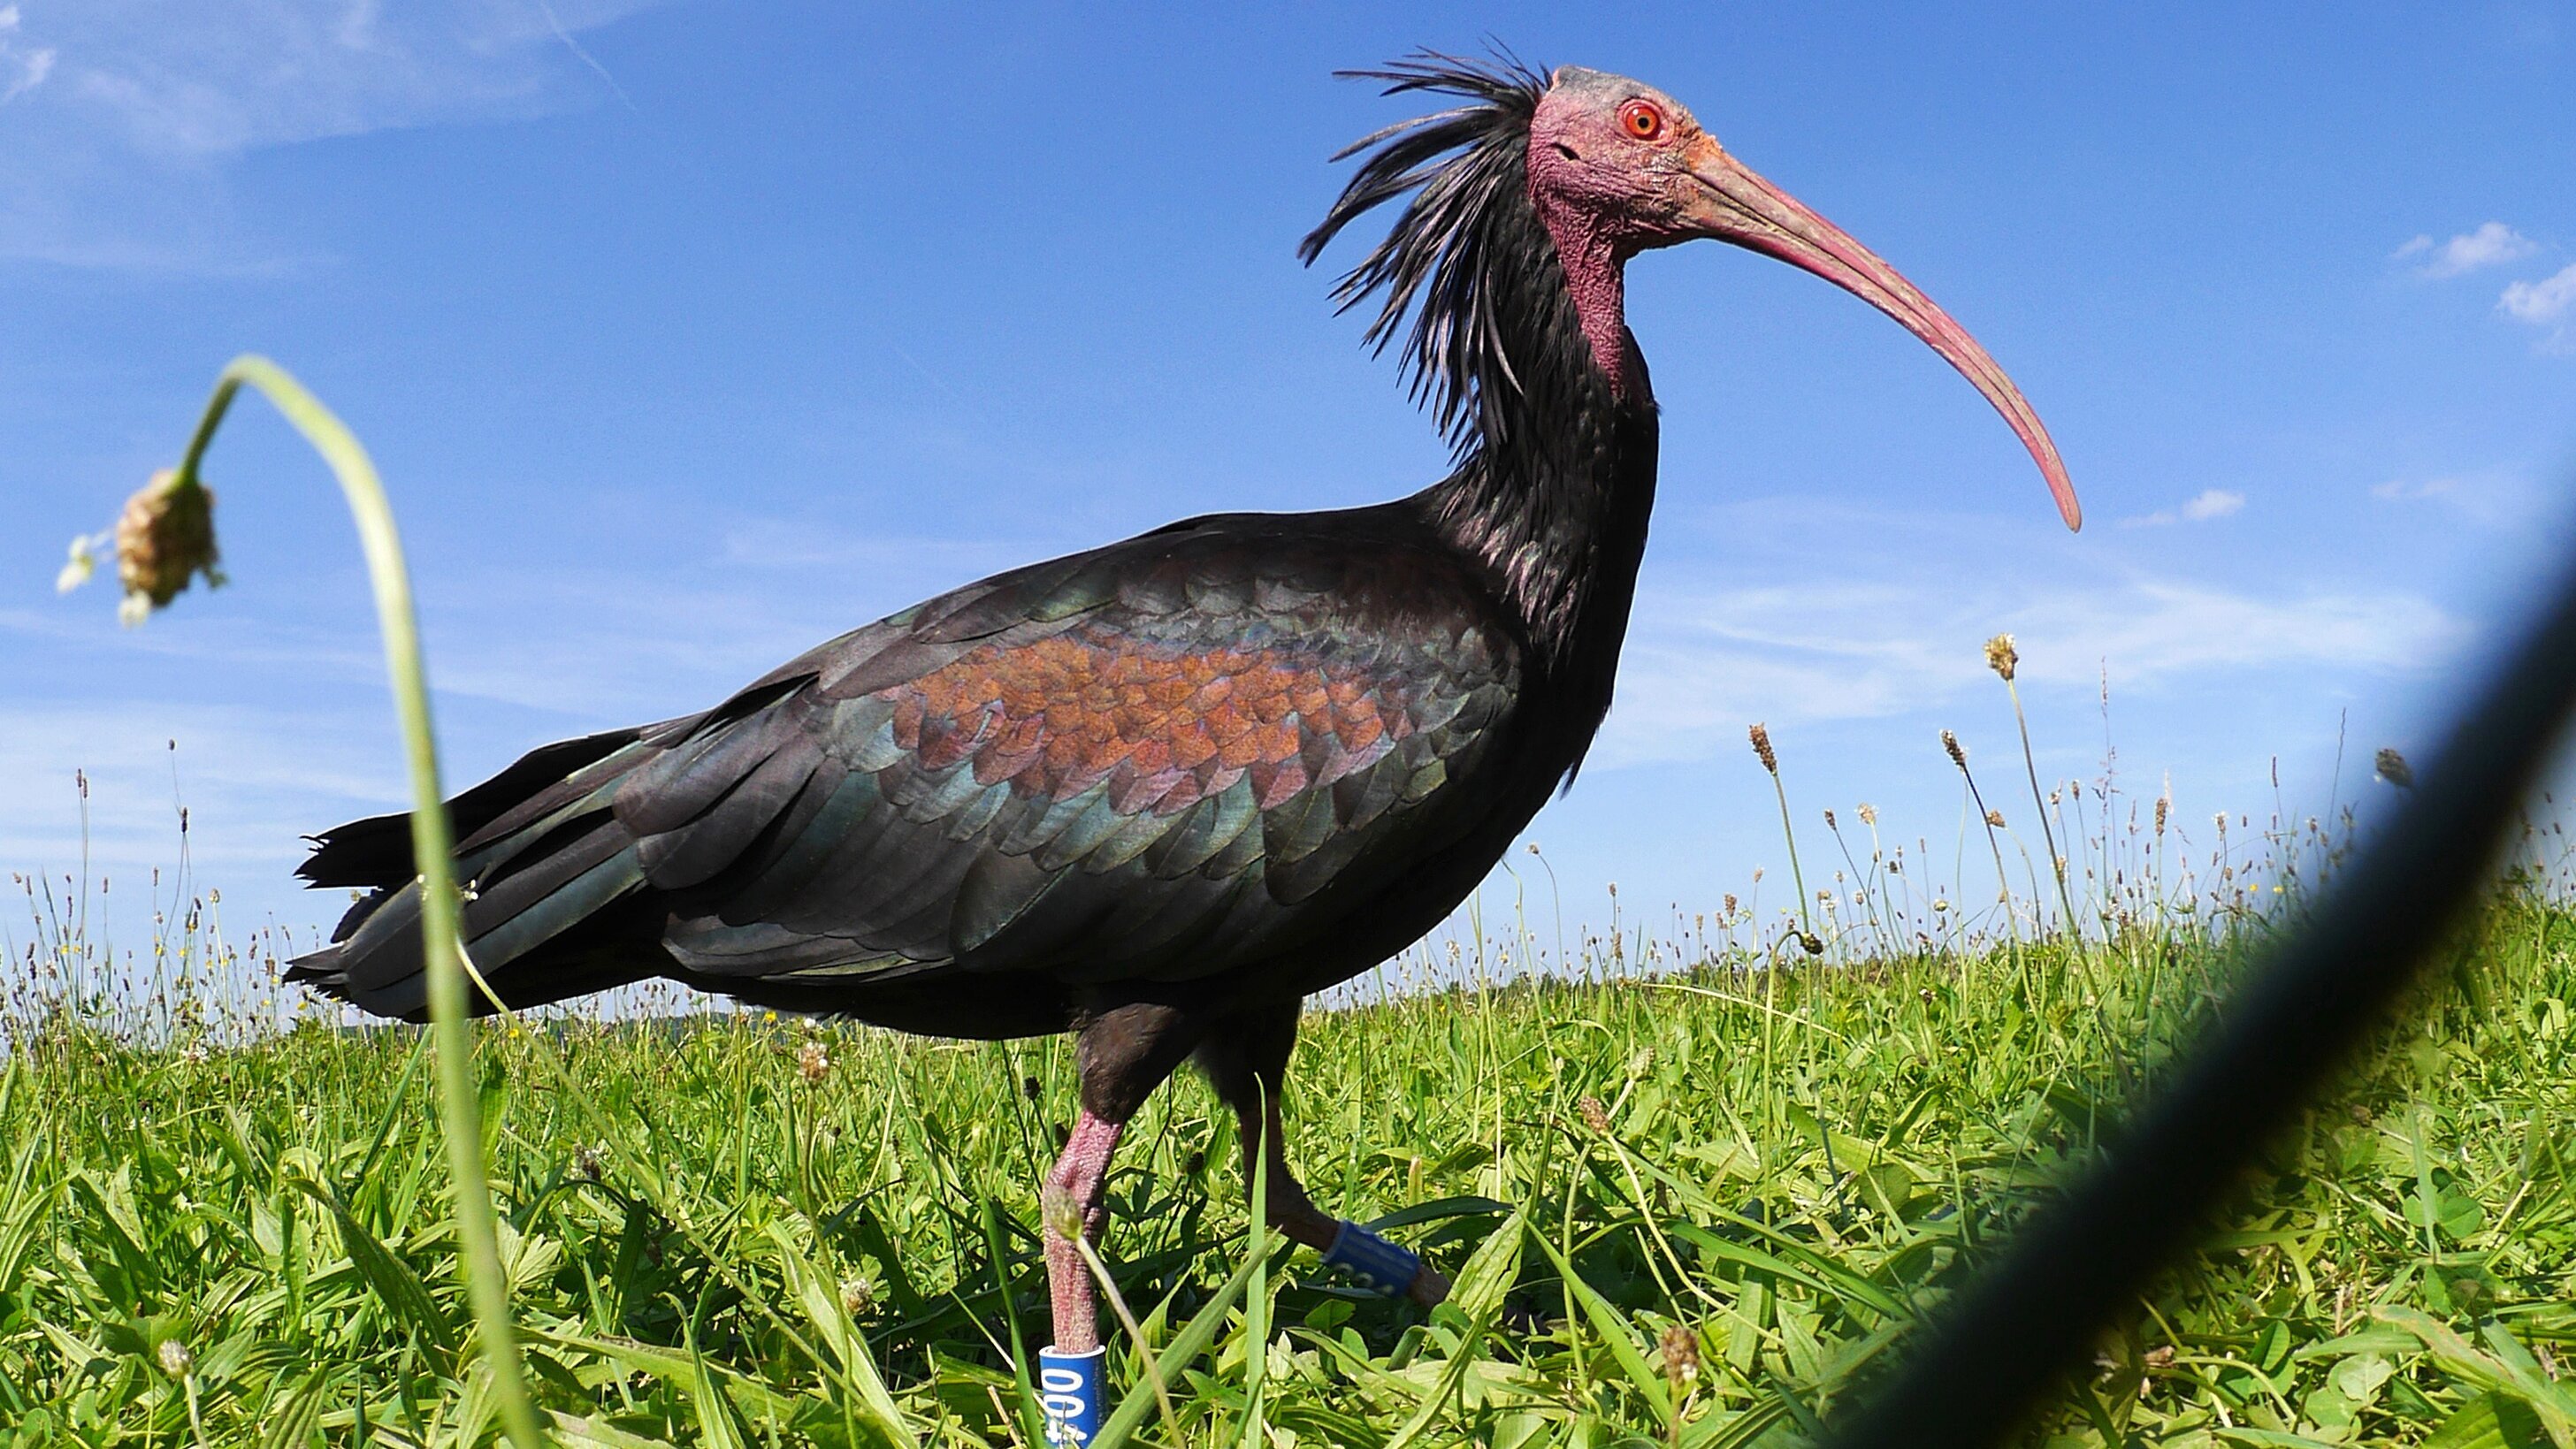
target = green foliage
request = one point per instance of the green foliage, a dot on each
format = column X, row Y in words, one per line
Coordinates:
column 743, row 1230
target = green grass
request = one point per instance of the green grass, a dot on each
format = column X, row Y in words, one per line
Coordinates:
column 718, row 1236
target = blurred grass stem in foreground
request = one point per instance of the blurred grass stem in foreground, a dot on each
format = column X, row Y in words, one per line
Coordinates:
column 164, row 537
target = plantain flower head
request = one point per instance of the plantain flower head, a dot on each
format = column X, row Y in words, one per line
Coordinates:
column 1595, row 1116
column 1680, row 1349
column 2001, row 657
column 164, row 538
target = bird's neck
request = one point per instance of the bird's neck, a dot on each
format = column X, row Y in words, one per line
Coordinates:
column 1554, row 499
column 1596, row 286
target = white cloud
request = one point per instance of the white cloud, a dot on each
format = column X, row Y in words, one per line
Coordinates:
column 2201, row 507
column 22, row 69
column 1703, row 667
column 2492, row 244
column 2542, row 301
column 2492, row 497
column 253, row 782
column 118, row 160
column 2545, row 303
column 303, row 69
column 2401, row 489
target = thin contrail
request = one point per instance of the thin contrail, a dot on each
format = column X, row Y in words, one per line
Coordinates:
column 587, row 58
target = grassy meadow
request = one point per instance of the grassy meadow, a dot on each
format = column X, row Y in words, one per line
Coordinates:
column 1692, row 1189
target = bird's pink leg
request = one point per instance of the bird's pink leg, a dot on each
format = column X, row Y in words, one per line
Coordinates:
column 1072, row 1200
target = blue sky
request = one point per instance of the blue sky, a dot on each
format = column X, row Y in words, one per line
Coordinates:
column 690, row 334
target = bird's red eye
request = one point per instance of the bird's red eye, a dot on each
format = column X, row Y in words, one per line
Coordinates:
column 1642, row 120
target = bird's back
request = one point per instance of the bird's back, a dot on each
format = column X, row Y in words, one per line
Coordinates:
column 1243, row 755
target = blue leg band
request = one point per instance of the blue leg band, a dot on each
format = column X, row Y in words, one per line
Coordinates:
column 1371, row 1261
column 1070, row 1394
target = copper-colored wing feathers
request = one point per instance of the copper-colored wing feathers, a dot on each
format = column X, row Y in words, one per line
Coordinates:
column 1164, row 744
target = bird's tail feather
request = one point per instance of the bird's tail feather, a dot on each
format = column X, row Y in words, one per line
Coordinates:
column 545, row 868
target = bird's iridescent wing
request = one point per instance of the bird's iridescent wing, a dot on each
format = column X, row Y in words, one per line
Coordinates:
column 1139, row 762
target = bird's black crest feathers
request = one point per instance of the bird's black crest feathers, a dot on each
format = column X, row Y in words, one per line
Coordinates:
column 1466, row 243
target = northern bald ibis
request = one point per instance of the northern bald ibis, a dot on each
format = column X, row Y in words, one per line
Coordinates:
column 1157, row 793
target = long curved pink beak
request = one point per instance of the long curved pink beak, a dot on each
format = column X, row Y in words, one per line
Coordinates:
column 1733, row 204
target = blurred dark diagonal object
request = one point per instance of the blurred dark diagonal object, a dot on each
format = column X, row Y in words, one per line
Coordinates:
column 1987, row 1361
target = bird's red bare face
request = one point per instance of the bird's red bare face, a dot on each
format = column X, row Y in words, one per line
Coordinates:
column 1612, row 155
column 1617, row 167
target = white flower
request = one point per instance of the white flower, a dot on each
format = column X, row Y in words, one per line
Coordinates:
column 83, row 563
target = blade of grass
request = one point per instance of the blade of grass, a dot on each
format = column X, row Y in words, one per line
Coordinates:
column 832, row 1323
column 1613, row 1329
column 294, row 1424
column 1193, row 1339
column 404, row 1295
column 1032, row 1423
column 1135, row 1332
